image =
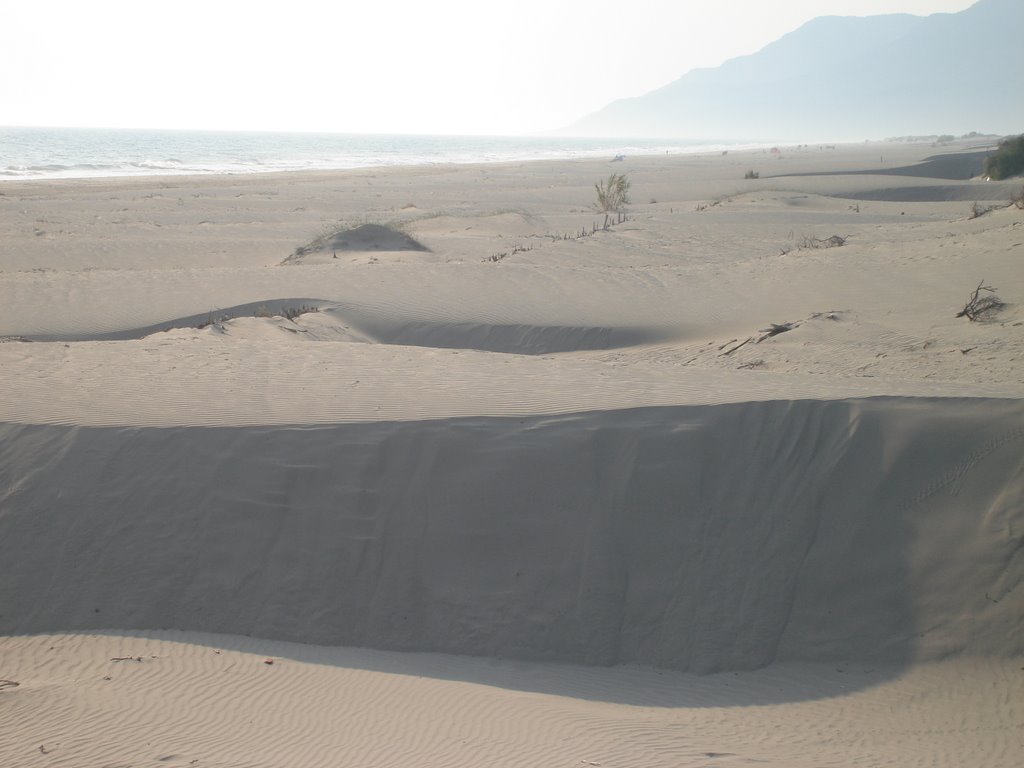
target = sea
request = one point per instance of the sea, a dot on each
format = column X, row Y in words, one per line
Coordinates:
column 67, row 153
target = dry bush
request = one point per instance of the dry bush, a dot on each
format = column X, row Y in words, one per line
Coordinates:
column 980, row 303
column 977, row 210
column 752, row 175
column 215, row 318
column 1018, row 198
column 834, row 241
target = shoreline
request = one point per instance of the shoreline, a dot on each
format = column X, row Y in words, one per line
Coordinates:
column 711, row 151
column 259, row 153
column 852, row 169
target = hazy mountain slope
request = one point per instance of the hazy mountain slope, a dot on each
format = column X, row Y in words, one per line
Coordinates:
column 847, row 78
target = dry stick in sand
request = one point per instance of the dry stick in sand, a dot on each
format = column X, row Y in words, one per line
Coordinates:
column 730, row 351
column 773, row 330
column 127, row 658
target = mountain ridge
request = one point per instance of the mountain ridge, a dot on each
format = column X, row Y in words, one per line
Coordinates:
column 843, row 77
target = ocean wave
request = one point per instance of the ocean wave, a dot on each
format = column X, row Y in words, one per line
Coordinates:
column 158, row 165
column 56, row 169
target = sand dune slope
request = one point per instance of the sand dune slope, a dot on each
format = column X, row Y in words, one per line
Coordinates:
column 700, row 538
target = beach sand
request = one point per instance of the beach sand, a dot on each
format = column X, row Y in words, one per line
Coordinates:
column 530, row 486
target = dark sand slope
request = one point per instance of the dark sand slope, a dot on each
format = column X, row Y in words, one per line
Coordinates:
column 961, row 167
column 698, row 538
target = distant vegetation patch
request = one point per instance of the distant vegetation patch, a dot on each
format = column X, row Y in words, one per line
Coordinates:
column 937, row 138
column 1008, row 160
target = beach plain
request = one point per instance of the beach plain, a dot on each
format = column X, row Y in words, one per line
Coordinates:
column 442, row 466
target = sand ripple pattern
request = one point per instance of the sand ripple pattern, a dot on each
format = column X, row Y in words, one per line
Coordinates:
column 212, row 700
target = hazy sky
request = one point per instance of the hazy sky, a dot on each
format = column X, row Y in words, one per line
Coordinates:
column 447, row 66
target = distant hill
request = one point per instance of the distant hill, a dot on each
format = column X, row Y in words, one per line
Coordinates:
column 846, row 78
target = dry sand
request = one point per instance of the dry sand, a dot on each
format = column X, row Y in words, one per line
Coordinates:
column 654, row 534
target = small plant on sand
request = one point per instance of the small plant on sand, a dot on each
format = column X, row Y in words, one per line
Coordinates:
column 752, row 175
column 980, row 304
column 612, row 195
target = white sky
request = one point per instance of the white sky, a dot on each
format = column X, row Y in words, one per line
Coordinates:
column 447, row 66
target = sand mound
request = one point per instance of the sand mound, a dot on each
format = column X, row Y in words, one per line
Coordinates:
column 364, row 238
column 268, row 308
column 320, row 320
column 372, row 237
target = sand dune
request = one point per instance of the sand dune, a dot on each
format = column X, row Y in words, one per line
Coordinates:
column 699, row 538
column 574, row 446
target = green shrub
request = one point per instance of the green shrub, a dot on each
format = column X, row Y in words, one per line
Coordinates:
column 1008, row 160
